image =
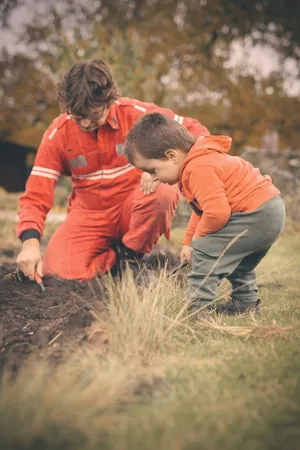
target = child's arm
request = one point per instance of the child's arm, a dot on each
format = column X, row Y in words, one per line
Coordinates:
column 207, row 185
column 191, row 228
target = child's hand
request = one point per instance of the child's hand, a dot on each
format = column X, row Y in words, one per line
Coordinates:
column 148, row 186
column 186, row 254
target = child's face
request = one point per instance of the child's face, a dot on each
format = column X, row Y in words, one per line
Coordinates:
column 165, row 170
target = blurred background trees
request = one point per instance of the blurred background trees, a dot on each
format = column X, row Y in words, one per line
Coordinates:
column 178, row 54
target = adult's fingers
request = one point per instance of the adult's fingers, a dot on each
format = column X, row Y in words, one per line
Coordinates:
column 27, row 267
column 30, row 269
column 39, row 268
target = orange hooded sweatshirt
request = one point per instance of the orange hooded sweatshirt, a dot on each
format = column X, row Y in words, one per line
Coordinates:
column 217, row 185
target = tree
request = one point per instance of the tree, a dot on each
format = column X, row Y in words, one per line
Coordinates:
column 173, row 53
column 27, row 100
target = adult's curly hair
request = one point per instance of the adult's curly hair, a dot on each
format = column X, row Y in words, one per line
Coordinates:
column 87, row 84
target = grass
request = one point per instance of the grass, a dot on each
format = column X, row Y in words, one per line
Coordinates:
column 153, row 378
column 9, row 200
column 8, row 237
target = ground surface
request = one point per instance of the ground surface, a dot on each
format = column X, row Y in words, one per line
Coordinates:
column 126, row 368
column 32, row 321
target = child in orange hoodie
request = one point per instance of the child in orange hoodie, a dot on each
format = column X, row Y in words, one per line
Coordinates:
column 237, row 212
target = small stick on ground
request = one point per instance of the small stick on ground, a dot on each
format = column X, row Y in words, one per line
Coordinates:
column 55, row 338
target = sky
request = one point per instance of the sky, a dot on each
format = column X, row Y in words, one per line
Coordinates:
column 259, row 59
column 264, row 60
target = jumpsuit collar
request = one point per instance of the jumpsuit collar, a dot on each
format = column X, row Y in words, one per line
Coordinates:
column 112, row 117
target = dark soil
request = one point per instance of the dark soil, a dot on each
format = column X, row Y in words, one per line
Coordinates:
column 32, row 321
column 30, row 318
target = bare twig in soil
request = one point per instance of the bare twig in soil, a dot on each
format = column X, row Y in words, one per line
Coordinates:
column 22, row 293
column 55, row 338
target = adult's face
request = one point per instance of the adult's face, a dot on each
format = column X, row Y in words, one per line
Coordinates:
column 90, row 122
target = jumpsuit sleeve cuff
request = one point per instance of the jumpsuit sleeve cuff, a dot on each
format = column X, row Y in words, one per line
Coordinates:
column 29, row 234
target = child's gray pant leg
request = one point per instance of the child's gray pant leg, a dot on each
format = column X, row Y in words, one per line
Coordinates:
column 243, row 278
column 210, row 264
column 258, row 230
column 203, row 280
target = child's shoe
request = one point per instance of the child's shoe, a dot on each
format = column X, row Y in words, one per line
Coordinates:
column 234, row 306
column 201, row 310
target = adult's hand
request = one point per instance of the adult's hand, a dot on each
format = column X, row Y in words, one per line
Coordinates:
column 148, row 186
column 29, row 259
column 186, row 254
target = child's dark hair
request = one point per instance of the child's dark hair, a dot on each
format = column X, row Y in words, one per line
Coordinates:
column 85, row 85
column 153, row 134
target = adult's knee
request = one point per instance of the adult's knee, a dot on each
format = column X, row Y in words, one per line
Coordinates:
column 56, row 263
column 70, row 268
column 162, row 202
column 167, row 196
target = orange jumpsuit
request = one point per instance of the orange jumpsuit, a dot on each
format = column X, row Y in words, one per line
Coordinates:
column 106, row 204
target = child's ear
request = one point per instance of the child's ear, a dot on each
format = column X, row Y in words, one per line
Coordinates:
column 172, row 155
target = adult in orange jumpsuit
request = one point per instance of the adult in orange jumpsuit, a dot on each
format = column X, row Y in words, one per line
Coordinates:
column 112, row 202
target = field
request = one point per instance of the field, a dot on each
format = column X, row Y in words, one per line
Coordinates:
column 98, row 365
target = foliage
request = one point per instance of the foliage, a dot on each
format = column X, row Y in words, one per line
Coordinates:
column 173, row 53
column 27, row 96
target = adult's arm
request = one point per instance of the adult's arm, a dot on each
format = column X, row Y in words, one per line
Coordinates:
column 36, row 202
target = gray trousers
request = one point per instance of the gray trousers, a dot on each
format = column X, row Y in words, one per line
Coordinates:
column 264, row 226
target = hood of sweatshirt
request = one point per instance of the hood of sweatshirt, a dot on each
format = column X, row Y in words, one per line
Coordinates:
column 205, row 145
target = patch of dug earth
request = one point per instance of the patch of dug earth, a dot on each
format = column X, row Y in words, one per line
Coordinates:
column 35, row 321
column 46, row 323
